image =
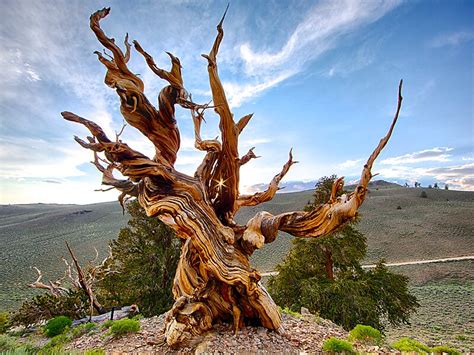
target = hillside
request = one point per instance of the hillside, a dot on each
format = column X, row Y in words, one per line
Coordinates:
column 33, row 235
column 441, row 225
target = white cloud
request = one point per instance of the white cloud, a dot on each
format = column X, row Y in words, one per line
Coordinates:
column 38, row 158
column 240, row 93
column 363, row 57
column 325, row 23
column 34, row 191
column 252, row 142
column 46, row 44
column 458, row 176
column 435, row 154
column 349, row 164
column 451, row 39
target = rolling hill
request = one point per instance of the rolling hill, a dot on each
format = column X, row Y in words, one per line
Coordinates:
column 441, row 225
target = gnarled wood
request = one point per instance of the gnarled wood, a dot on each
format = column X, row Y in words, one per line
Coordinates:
column 214, row 279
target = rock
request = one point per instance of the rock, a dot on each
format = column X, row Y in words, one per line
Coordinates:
column 305, row 311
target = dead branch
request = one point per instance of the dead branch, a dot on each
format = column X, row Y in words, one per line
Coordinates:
column 269, row 193
column 85, row 284
column 249, row 156
column 53, row 286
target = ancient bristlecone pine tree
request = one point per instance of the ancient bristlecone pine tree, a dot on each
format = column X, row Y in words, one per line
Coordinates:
column 214, row 280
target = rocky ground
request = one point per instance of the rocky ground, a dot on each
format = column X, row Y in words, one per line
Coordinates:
column 304, row 334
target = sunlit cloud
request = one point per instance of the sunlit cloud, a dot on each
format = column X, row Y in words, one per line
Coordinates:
column 438, row 154
column 458, row 176
column 349, row 164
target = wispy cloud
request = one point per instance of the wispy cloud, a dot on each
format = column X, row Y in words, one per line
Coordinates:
column 349, row 164
column 317, row 33
column 451, row 39
column 435, row 154
column 361, row 58
column 39, row 158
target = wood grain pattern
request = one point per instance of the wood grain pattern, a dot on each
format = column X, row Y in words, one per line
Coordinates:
column 214, row 280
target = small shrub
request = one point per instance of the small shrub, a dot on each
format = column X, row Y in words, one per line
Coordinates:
column 288, row 311
column 444, row 349
column 7, row 343
column 409, row 344
column 138, row 317
column 82, row 329
column 365, row 334
column 57, row 326
column 335, row 345
column 399, row 207
column 4, row 322
column 107, row 324
column 124, row 326
column 97, row 351
column 423, row 194
column 45, row 306
column 55, row 344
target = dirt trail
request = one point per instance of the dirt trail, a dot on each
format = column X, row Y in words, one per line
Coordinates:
column 413, row 262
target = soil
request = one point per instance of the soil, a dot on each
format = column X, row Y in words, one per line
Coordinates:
column 304, row 334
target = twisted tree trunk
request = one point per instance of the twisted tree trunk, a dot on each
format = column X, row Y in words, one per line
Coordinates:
column 214, row 280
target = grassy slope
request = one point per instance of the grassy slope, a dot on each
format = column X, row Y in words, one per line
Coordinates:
column 441, row 225
column 34, row 235
column 445, row 292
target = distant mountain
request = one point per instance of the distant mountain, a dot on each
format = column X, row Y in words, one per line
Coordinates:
column 297, row 186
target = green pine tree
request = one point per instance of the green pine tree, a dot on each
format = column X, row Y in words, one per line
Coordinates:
column 325, row 276
column 145, row 256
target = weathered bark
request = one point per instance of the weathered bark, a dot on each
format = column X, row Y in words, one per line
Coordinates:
column 214, row 279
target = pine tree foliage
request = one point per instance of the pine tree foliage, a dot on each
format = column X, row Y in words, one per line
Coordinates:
column 325, row 276
column 145, row 256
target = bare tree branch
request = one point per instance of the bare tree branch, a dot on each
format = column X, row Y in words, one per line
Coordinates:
column 269, row 193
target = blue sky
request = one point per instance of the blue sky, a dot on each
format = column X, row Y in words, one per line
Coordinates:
column 319, row 76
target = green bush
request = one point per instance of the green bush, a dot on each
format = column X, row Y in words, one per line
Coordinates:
column 145, row 257
column 74, row 304
column 444, row 349
column 97, row 351
column 409, row 344
column 107, row 324
column 289, row 312
column 82, row 329
column 124, row 326
column 4, row 322
column 57, row 326
column 55, row 344
column 7, row 343
column 335, row 345
column 365, row 334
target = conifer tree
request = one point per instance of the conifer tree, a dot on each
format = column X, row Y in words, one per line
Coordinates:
column 145, row 257
column 325, row 275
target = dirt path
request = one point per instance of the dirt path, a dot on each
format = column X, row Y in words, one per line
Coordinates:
column 413, row 262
